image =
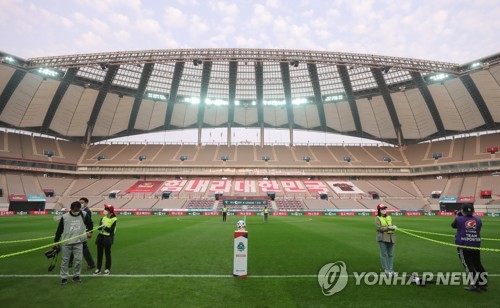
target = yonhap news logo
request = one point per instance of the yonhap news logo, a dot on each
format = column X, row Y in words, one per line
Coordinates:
column 332, row 278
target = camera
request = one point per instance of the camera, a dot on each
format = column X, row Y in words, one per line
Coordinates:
column 52, row 253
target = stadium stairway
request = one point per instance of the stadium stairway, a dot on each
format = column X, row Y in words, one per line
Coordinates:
column 84, row 154
column 273, row 206
column 417, row 189
column 446, row 187
column 66, row 192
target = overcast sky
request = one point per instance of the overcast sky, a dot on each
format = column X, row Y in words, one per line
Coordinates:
column 447, row 30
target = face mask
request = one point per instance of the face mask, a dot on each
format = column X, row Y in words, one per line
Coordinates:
column 75, row 213
column 383, row 212
column 105, row 212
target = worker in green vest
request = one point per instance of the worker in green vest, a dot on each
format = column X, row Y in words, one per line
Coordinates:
column 266, row 213
column 385, row 238
column 105, row 239
column 224, row 212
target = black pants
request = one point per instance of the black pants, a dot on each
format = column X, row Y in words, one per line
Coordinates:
column 86, row 255
column 104, row 244
column 224, row 215
column 471, row 260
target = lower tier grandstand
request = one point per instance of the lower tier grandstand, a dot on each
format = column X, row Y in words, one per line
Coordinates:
column 282, row 194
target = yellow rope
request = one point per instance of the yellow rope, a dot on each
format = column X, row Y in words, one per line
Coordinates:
column 45, row 246
column 28, row 240
column 442, row 234
column 446, row 243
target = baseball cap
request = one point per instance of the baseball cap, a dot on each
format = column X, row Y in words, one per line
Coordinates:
column 381, row 207
column 110, row 208
column 468, row 208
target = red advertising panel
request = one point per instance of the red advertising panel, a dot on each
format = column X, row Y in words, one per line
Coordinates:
column 466, row 199
column 13, row 197
column 245, row 213
column 347, row 214
column 492, row 150
column 144, row 187
column 446, row 213
column 486, row 194
column 413, row 213
column 310, row 213
column 39, row 212
column 279, row 213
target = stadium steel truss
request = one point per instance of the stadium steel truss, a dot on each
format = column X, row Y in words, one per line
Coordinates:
column 93, row 97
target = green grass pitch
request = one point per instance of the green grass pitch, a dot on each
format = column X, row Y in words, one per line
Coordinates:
column 198, row 245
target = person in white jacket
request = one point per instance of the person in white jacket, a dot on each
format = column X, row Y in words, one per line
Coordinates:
column 73, row 230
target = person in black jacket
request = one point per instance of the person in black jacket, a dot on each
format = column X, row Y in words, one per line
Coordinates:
column 86, row 252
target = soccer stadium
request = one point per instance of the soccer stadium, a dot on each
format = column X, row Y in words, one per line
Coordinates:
column 250, row 153
column 249, row 131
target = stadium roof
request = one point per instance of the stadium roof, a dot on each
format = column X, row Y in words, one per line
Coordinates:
column 92, row 97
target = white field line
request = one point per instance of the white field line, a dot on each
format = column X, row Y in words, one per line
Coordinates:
column 179, row 276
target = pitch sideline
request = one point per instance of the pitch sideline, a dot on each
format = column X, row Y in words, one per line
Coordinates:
column 177, row 276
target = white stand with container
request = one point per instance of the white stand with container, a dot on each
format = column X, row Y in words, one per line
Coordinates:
column 240, row 251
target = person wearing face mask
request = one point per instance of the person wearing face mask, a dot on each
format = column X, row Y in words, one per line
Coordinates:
column 105, row 239
column 385, row 238
column 72, row 230
column 86, row 252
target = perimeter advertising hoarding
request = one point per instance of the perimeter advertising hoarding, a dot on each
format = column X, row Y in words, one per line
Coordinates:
column 250, row 213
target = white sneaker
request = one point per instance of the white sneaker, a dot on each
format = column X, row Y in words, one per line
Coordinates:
column 106, row 272
column 97, row 272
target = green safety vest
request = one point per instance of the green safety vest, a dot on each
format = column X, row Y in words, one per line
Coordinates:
column 224, row 209
column 385, row 222
column 266, row 211
column 107, row 222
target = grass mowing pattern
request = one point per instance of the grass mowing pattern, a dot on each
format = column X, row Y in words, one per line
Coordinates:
column 203, row 245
